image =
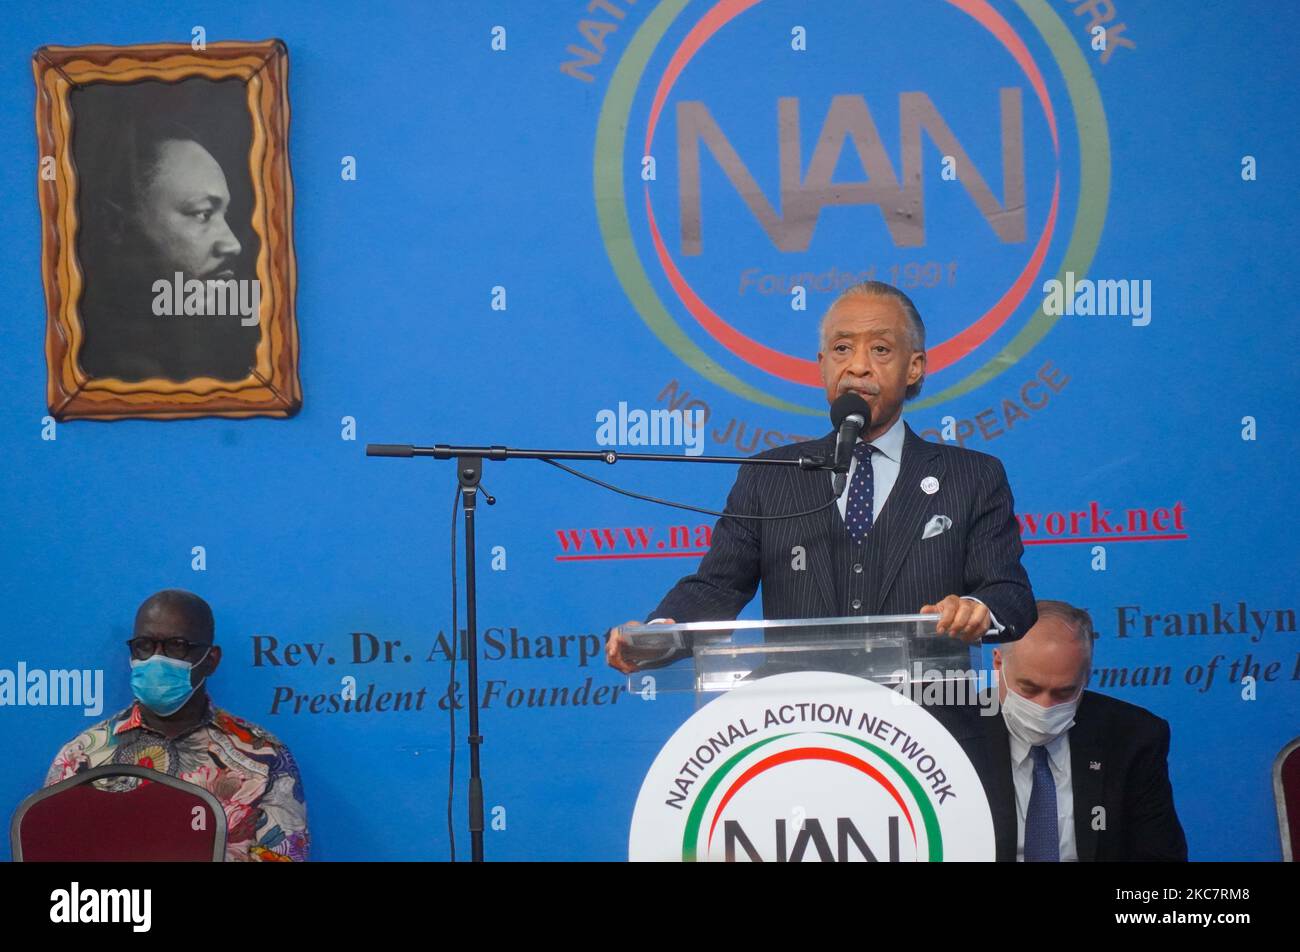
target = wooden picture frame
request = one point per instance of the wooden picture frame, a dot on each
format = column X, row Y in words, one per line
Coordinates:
column 108, row 357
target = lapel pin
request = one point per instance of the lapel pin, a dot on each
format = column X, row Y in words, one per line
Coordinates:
column 1094, row 765
column 929, row 485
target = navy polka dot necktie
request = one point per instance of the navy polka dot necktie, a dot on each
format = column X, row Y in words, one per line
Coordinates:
column 1042, row 838
column 857, row 512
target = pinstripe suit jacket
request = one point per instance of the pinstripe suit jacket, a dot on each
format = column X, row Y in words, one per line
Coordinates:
column 978, row 555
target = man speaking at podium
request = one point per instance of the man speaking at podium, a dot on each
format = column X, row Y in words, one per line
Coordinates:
column 919, row 527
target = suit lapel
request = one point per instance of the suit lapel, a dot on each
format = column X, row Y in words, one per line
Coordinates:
column 808, row 490
column 1000, row 788
column 902, row 518
column 1085, row 750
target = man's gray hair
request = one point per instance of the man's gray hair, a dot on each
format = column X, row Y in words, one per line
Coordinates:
column 1078, row 620
column 915, row 326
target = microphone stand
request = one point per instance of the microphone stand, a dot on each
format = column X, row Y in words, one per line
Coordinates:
column 469, row 472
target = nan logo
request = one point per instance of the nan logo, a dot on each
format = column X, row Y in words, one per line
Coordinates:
column 103, row 905
column 811, row 767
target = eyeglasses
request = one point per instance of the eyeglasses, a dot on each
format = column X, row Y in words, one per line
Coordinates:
column 142, row 649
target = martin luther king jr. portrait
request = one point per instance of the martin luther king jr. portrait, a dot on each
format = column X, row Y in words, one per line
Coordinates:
column 165, row 242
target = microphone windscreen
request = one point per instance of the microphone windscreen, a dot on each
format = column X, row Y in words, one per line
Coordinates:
column 849, row 403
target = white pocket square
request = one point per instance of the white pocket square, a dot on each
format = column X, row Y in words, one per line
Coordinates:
column 936, row 525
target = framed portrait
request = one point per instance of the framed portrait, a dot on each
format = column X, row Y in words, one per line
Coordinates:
column 167, row 230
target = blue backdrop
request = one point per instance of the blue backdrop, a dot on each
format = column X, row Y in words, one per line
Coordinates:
column 523, row 169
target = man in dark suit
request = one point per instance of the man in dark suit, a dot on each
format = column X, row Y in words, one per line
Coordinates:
column 920, row 527
column 1074, row 775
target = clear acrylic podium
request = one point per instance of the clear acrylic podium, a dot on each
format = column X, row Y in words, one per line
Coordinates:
column 712, row 656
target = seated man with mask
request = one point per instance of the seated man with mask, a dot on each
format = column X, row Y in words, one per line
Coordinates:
column 173, row 727
column 1074, row 775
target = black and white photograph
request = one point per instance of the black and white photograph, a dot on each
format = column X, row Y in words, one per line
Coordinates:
column 166, row 247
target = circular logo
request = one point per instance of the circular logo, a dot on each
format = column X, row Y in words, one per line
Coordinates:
column 694, row 124
column 811, row 767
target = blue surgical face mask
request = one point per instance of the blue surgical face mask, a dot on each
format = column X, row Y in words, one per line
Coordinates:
column 162, row 684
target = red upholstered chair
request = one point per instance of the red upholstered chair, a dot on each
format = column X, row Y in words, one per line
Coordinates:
column 154, row 821
column 1286, row 790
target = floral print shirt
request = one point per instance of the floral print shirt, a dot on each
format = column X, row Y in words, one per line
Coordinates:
column 249, row 771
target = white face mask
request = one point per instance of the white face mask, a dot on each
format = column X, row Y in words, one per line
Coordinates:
column 1034, row 724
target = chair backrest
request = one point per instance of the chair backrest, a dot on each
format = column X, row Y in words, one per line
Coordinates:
column 1286, row 791
column 160, row 819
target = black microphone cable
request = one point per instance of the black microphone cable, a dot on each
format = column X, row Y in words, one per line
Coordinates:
column 681, row 505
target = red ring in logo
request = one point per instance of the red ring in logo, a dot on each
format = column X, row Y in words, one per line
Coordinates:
column 810, row 753
column 800, row 370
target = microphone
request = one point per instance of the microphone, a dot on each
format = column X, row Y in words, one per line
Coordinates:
column 850, row 415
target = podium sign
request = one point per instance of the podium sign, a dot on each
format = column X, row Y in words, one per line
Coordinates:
column 801, row 765
column 811, row 766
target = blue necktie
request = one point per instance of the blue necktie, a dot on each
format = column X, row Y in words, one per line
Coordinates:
column 1042, row 839
column 857, row 512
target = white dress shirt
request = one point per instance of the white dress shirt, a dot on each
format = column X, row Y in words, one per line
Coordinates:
column 885, row 464
column 1022, row 772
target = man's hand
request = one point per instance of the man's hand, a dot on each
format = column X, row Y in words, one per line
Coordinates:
column 622, row 656
column 962, row 618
